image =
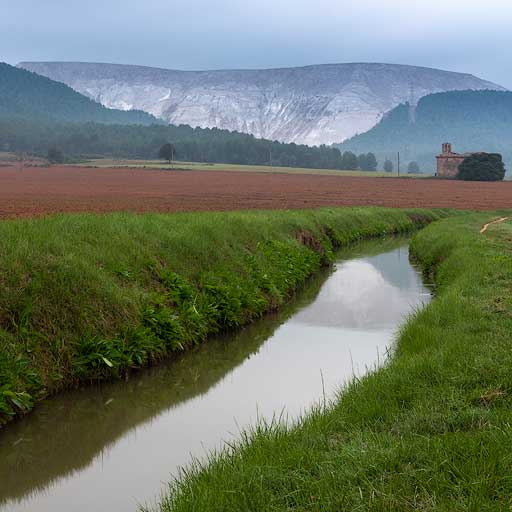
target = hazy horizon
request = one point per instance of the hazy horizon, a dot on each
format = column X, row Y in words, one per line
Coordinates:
column 457, row 36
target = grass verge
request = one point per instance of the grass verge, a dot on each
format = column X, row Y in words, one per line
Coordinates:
column 430, row 431
column 88, row 297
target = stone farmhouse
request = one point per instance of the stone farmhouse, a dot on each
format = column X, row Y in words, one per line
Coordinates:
column 448, row 162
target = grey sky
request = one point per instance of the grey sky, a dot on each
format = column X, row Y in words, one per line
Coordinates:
column 472, row 36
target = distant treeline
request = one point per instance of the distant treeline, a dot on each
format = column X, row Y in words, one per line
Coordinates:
column 191, row 144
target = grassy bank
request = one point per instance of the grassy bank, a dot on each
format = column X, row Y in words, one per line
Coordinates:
column 87, row 297
column 430, row 431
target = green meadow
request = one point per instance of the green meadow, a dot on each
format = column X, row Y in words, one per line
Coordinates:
column 266, row 169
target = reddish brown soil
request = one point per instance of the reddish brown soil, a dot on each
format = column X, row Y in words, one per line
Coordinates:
column 36, row 191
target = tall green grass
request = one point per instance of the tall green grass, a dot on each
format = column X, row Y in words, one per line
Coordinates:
column 430, row 431
column 87, row 297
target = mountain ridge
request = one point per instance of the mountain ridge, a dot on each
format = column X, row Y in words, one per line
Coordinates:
column 315, row 104
column 22, row 64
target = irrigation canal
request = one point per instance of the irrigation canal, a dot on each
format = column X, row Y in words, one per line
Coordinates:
column 115, row 446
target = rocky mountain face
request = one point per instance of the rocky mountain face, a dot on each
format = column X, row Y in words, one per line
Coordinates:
column 312, row 105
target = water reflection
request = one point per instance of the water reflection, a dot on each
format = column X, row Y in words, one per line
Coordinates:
column 359, row 295
column 108, row 448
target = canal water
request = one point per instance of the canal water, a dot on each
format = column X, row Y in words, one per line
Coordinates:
column 115, row 446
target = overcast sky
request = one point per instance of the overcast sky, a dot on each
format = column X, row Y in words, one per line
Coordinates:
column 472, row 36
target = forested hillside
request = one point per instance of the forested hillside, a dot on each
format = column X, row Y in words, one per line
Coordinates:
column 470, row 120
column 28, row 95
column 192, row 144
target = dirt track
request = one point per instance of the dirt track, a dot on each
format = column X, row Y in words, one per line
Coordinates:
column 36, row 191
column 485, row 227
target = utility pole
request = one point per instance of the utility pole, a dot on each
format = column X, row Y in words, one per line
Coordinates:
column 399, row 164
column 21, row 161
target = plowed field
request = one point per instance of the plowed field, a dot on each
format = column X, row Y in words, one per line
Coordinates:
column 38, row 191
